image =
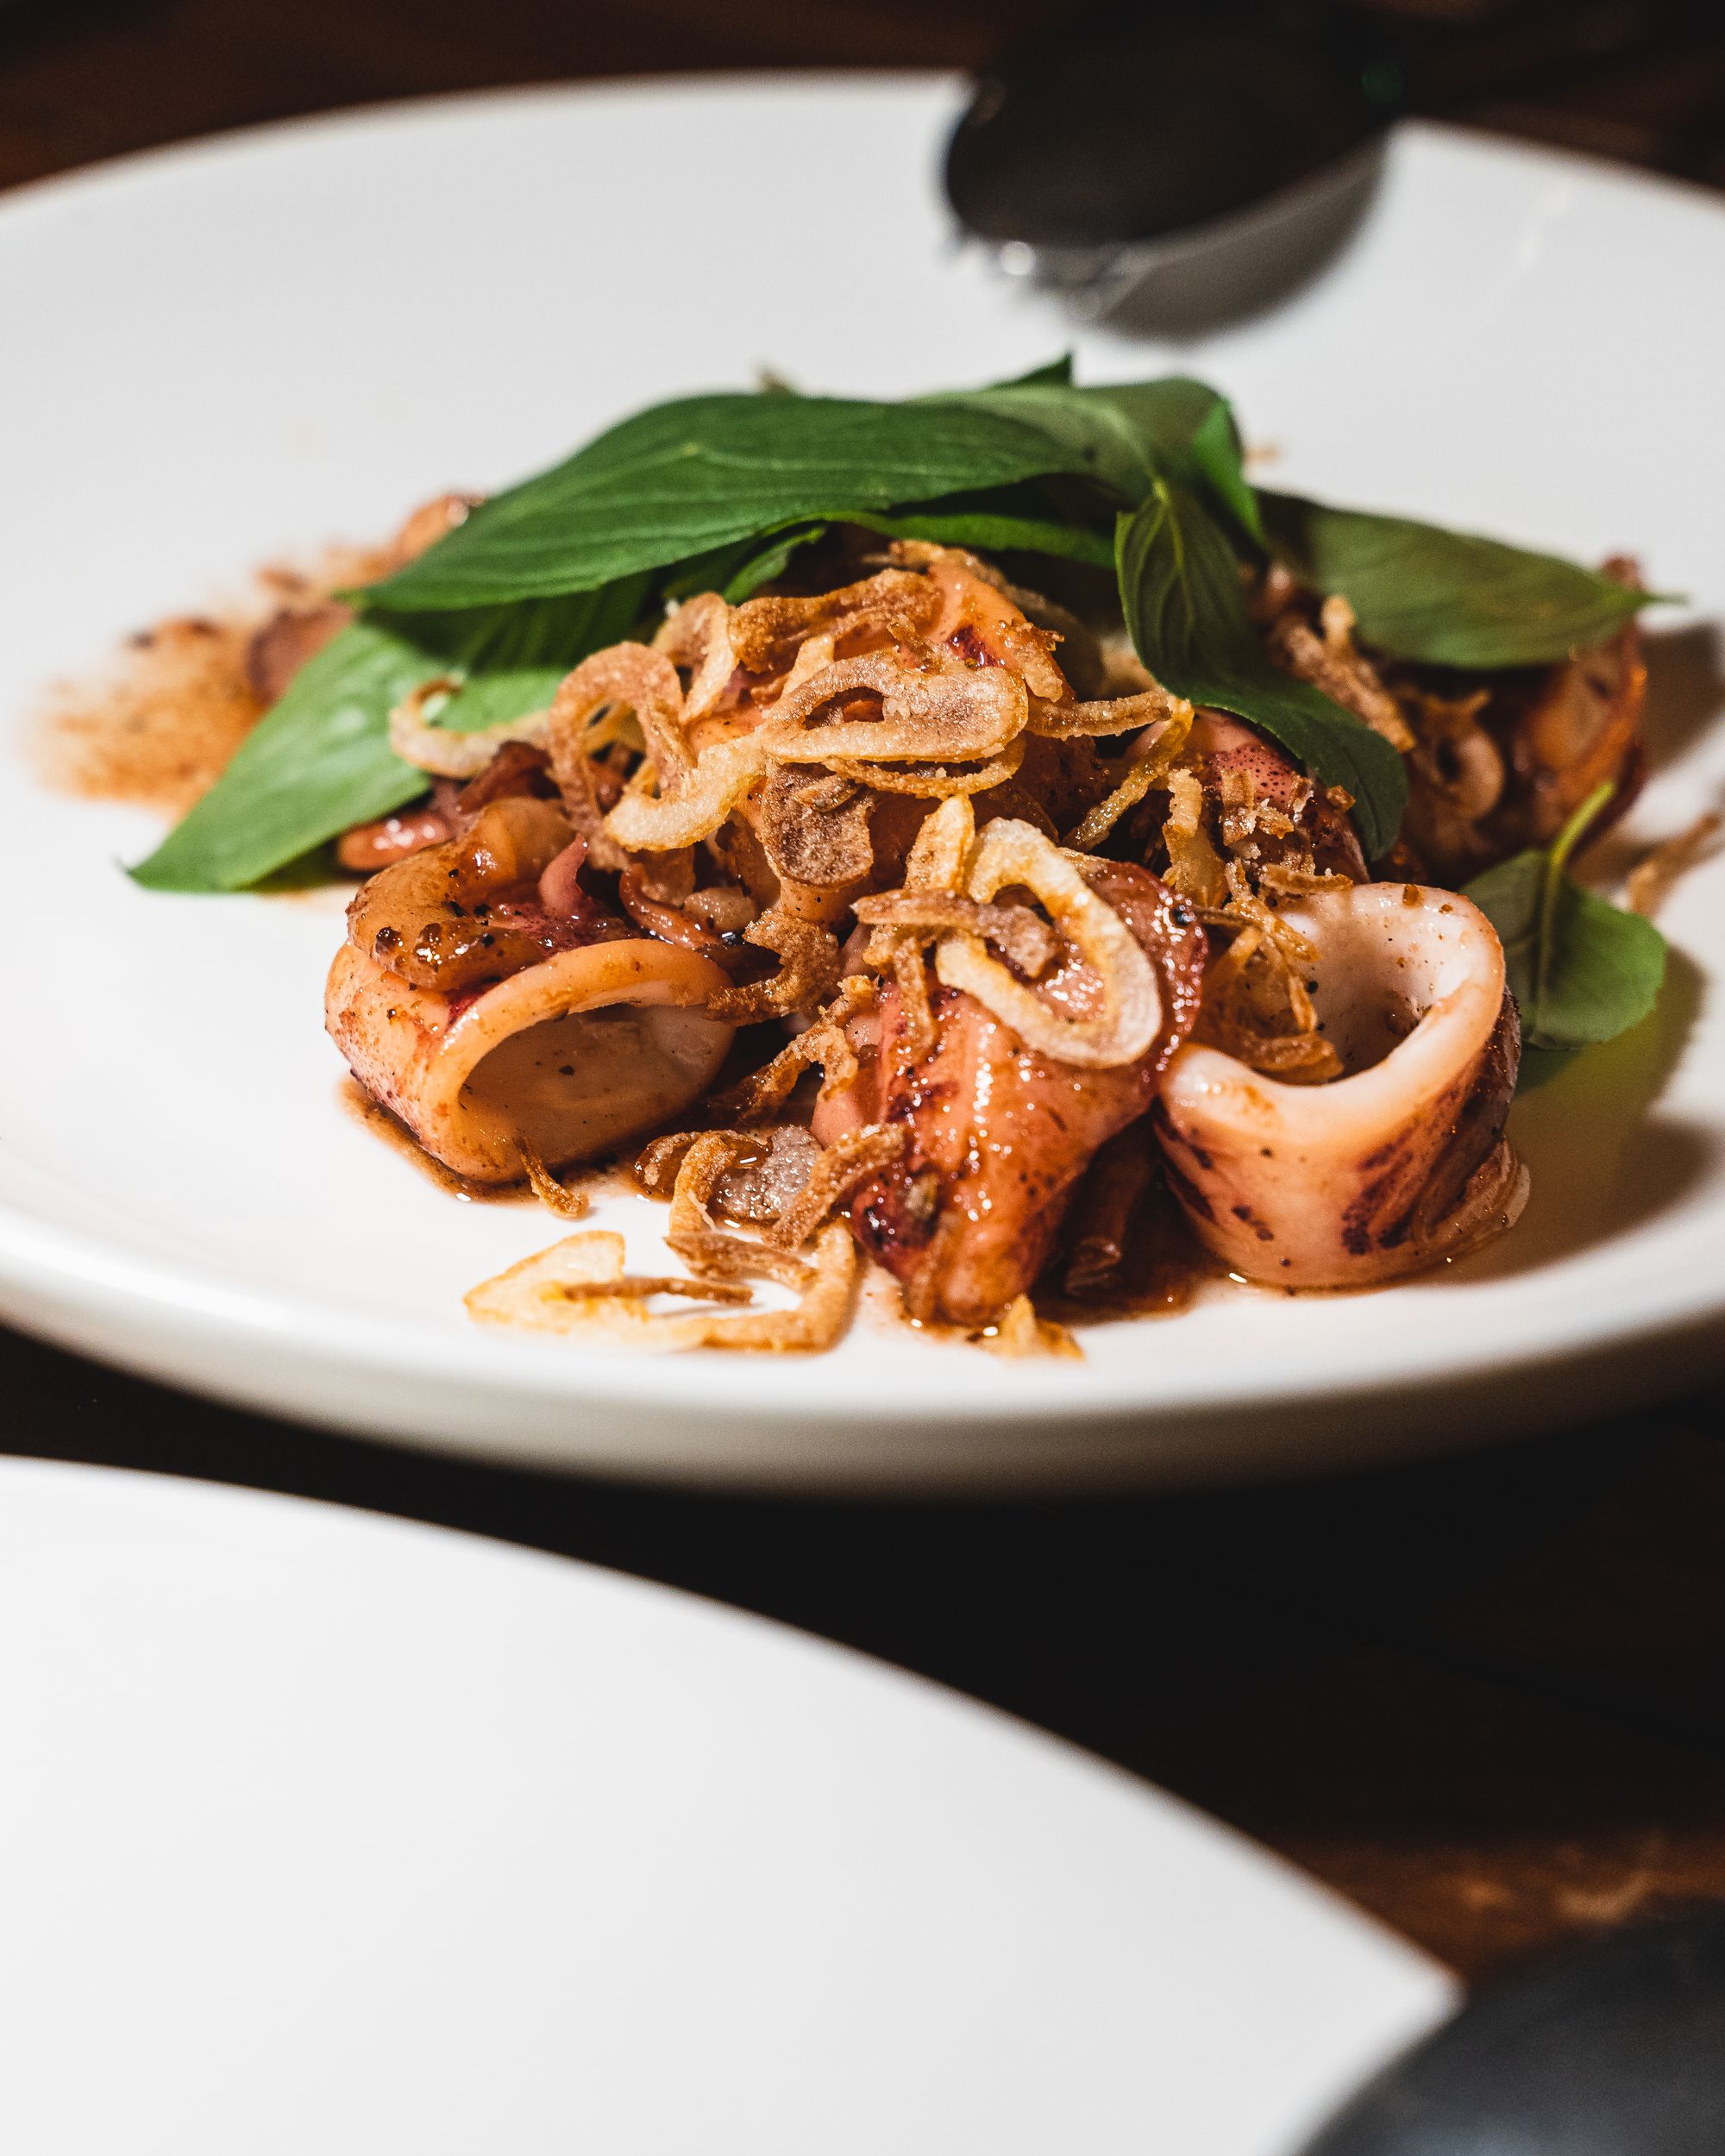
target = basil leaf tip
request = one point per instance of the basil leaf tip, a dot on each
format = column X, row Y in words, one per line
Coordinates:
column 1447, row 598
column 320, row 761
column 1582, row 970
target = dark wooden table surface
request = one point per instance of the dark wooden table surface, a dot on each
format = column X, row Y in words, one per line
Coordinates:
column 1485, row 1698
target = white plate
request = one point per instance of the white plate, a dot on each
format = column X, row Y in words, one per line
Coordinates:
column 271, row 341
column 320, row 1831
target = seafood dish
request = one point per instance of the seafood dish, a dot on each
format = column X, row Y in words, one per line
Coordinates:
column 989, row 838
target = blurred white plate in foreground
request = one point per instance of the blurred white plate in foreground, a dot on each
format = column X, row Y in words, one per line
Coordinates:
column 217, row 353
column 319, row 1831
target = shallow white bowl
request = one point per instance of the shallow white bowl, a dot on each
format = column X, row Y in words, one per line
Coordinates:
column 216, row 354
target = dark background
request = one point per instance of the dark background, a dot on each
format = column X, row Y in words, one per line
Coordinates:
column 81, row 80
column 1486, row 1698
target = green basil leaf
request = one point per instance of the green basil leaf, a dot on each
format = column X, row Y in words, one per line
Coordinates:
column 1055, row 371
column 1120, row 435
column 1445, row 597
column 1217, row 452
column 738, row 571
column 321, row 761
column 1186, row 609
column 763, row 565
column 1582, row 970
column 705, row 471
column 1006, row 520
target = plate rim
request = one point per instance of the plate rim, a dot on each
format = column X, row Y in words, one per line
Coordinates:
column 64, row 1282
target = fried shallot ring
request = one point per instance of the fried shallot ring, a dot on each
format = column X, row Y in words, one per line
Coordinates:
column 958, row 714
column 1011, row 852
column 808, row 975
column 697, row 634
column 1150, row 770
column 579, row 1285
column 839, row 1173
column 445, row 752
column 825, row 1044
column 1111, row 715
column 765, row 631
column 932, row 782
column 692, row 1233
column 692, row 799
column 1023, row 938
column 721, row 779
column 934, row 870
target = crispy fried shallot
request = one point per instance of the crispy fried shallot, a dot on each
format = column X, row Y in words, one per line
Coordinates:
column 1150, row 769
column 697, row 634
column 1114, row 714
column 1195, row 868
column 1660, row 867
column 445, row 752
column 931, row 781
column 955, row 714
column 644, row 682
column 555, row 1197
column 1018, row 1333
column 842, row 1168
column 721, row 778
column 767, row 633
column 578, row 1285
column 691, row 1234
column 765, row 1171
column 1331, row 661
column 1128, row 1006
column 824, row 1045
column 1022, row 937
column 807, row 976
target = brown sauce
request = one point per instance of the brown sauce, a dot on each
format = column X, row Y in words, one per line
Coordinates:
column 156, row 727
column 377, row 1118
column 609, row 1177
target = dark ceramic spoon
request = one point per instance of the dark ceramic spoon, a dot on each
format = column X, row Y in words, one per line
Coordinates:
column 1201, row 157
column 1121, row 149
column 1617, row 2049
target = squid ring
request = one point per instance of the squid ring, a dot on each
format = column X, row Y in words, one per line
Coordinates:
column 1399, row 1163
column 568, row 1057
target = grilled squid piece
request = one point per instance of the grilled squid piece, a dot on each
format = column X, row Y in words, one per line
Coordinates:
column 1399, row 1163
column 571, row 1057
column 590, row 1037
column 1001, row 1129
